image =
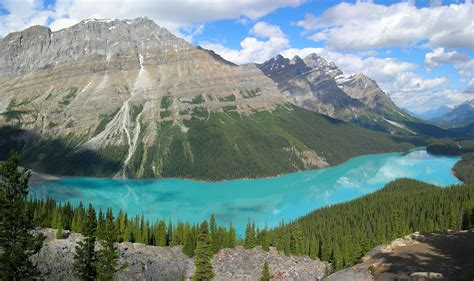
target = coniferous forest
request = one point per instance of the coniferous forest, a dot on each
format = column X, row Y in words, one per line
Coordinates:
column 339, row 234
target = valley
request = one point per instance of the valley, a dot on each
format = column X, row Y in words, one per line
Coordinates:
column 138, row 138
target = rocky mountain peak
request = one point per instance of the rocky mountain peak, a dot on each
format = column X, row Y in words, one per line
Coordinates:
column 319, row 63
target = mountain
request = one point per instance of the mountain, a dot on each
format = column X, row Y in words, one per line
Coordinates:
column 126, row 98
column 434, row 113
column 320, row 86
column 458, row 116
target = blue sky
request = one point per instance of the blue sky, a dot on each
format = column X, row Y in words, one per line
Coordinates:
column 419, row 52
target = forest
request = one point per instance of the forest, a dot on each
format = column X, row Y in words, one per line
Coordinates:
column 340, row 234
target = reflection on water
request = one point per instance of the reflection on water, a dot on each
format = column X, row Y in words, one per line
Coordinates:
column 265, row 201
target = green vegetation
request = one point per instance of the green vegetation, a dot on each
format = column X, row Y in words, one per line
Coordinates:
column 229, row 145
column 198, row 99
column 248, row 94
column 229, row 108
column 227, row 98
column 215, row 146
column 104, row 120
column 203, row 255
column 71, row 94
column 464, row 169
column 164, row 114
column 85, row 257
column 265, row 273
column 12, row 112
column 135, row 110
column 344, row 232
column 107, row 257
column 200, row 112
column 166, row 102
column 17, row 240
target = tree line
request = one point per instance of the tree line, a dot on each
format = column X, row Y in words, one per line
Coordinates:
column 343, row 233
column 340, row 234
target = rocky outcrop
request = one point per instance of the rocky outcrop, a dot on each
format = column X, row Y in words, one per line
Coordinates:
column 241, row 264
column 169, row 263
column 436, row 256
column 320, row 86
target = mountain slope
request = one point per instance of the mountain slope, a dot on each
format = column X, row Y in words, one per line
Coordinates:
column 129, row 99
column 320, row 86
column 460, row 115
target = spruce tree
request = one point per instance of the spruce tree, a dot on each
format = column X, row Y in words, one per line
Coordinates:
column 265, row 273
column 214, row 234
column 249, row 237
column 85, row 257
column 265, row 240
column 188, row 245
column 107, row 264
column 203, row 255
column 17, row 240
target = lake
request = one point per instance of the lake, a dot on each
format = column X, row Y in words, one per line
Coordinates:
column 264, row 201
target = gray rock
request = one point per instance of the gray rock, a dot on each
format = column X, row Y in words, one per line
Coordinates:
column 320, row 86
column 145, row 262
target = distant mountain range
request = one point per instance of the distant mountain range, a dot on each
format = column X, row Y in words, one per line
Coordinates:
column 461, row 115
column 126, row 98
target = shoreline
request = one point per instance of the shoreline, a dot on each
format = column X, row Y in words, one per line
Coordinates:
column 39, row 178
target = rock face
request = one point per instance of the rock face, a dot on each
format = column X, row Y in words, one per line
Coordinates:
column 127, row 99
column 241, row 264
column 320, row 86
column 169, row 263
column 109, row 84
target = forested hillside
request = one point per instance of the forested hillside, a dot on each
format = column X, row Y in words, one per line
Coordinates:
column 342, row 233
column 213, row 146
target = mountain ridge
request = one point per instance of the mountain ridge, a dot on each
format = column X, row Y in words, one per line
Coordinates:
column 143, row 103
column 320, row 86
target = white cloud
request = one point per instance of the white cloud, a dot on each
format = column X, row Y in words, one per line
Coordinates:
column 439, row 56
column 422, row 102
column 264, row 30
column 366, row 25
column 174, row 15
column 466, row 68
column 254, row 49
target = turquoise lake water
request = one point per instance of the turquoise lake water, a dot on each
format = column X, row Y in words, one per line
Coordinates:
column 264, row 201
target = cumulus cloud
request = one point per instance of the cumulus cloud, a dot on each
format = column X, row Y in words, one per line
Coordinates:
column 174, row 15
column 466, row 68
column 439, row 56
column 423, row 102
column 267, row 42
column 366, row 25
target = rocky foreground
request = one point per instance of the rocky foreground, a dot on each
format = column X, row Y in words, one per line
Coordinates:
column 169, row 263
column 435, row 256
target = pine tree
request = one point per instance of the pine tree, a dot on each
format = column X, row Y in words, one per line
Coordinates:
column 161, row 234
column 188, row 245
column 85, row 257
column 203, row 255
column 108, row 256
column 265, row 273
column 265, row 240
column 249, row 237
column 17, row 242
column 214, row 235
